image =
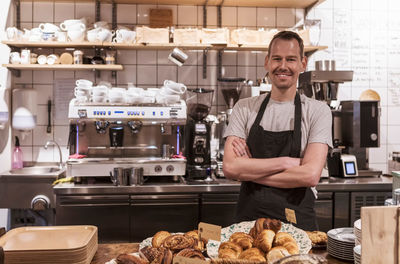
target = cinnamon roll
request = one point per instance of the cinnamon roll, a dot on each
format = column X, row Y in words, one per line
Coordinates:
column 158, row 238
column 191, row 253
column 229, row 250
column 157, row 255
column 130, row 259
column 177, row 242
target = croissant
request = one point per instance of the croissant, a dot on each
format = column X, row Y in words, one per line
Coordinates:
column 264, row 240
column 292, row 248
column 245, row 241
column 276, row 253
column 253, row 254
column 265, row 223
column 282, row 237
column 177, row 242
column 130, row 259
column 191, row 253
column 158, row 238
column 229, row 250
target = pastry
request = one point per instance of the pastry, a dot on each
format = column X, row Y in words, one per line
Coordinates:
column 177, row 242
column 264, row 240
column 317, row 237
column 191, row 253
column 276, row 253
column 130, row 259
column 159, row 238
column 245, row 241
column 281, row 238
column 303, row 259
column 229, row 250
column 253, row 254
column 265, row 223
column 198, row 244
column 157, row 255
column 292, row 247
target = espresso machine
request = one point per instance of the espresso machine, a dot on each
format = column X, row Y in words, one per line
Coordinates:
column 355, row 125
column 105, row 136
column 197, row 135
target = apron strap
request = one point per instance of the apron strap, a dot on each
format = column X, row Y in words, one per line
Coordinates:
column 262, row 110
column 296, row 144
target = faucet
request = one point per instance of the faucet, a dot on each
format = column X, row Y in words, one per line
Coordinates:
column 60, row 166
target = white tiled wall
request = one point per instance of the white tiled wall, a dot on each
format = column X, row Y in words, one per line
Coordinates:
column 362, row 35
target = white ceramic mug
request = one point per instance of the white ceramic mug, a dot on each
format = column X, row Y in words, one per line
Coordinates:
column 91, row 35
column 35, row 34
column 171, row 87
column 76, row 35
column 105, row 35
column 99, row 99
column 83, row 82
column 125, row 36
column 73, row 24
column 99, row 91
column 49, row 27
column 15, row 57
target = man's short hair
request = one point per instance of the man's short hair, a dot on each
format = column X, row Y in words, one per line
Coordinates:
column 288, row 35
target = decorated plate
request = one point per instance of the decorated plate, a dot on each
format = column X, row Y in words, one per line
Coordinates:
column 299, row 235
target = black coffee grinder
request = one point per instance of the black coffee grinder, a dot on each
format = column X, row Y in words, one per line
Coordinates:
column 197, row 135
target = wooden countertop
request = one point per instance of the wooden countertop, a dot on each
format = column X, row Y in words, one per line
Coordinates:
column 106, row 252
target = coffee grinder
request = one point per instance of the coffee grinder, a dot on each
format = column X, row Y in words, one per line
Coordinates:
column 197, row 134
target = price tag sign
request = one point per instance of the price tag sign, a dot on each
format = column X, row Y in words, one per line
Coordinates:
column 209, row 231
column 184, row 260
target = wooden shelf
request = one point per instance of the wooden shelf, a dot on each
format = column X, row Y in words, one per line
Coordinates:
column 259, row 3
column 167, row 46
column 72, row 67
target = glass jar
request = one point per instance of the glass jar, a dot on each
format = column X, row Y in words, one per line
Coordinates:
column 110, row 57
column 78, row 57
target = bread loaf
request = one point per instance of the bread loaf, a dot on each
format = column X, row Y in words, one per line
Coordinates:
column 215, row 36
column 187, row 36
column 152, row 35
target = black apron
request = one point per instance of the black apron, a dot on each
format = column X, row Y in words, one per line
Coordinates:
column 256, row 200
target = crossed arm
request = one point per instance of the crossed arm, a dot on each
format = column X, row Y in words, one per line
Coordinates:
column 281, row 172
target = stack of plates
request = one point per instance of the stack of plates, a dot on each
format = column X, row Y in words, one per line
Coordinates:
column 357, row 254
column 341, row 242
column 357, row 231
column 50, row 244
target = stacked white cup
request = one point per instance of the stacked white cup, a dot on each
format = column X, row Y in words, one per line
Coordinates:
column 99, row 94
column 75, row 29
column 83, row 90
column 171, row 92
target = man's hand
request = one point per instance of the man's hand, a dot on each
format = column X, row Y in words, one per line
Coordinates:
column 240, row 148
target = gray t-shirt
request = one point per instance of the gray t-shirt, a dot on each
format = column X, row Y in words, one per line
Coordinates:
column 316, row 119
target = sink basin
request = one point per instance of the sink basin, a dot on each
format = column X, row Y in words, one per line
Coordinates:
column 35, row 170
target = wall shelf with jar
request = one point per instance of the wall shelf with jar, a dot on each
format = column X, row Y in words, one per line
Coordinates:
column 73, row 67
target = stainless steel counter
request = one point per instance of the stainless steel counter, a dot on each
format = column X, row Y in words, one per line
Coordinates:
column 373, row 184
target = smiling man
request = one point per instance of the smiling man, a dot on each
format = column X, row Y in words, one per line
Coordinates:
column 276, row 143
